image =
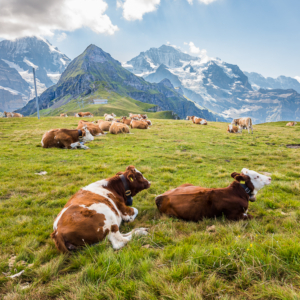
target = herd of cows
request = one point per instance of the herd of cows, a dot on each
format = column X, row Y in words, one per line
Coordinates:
column 97, row 210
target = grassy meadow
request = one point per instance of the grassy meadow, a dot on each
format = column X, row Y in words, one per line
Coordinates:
column 257, row 259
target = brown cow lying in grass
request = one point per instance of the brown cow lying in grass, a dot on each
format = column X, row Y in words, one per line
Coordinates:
column 291, row 124
column 193, row 203
column 126, row 121
column 84, row 114
column 142, row 124
column 63, row 115
column 200, row 121
column 12, row 115
column 232, row 129
column 117, row 128
column 135, row 116
column 104, row 125
column 66, row 138
column 109, row 117
column 93, row 128
column 97, row 211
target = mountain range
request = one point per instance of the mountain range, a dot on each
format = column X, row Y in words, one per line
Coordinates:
column 17, row 58
column 219, row 86
column 96, row 70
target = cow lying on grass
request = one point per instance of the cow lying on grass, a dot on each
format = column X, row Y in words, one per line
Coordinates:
column 66, row 138
column 193, row 203
column 109, row 117
column 97, row 211
column 126, row 121
column 243, row 123
column 291, row 124
column 93, row 128
column 135, row 116
column 84, row 114
column 12, row 115
column 104, row 125
column 200, row 121
column 117, row 128
column 232, row 129
column 63, row 115
column 139, row 124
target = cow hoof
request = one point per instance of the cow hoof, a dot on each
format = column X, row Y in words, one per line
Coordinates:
column 141, row 231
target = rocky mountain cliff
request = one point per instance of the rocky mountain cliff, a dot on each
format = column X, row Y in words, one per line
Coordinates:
column 282, row 82
column 95, row 68
column 216, row 85
column 16, row 61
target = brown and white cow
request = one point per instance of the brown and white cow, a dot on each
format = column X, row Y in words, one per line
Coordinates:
column 63, row 115
column 117, row 128
column 12, row 115
column 93, row 128
column 291, row 124
column 66, row 138
column 97, row 211
column 142, row 124
column 84, row 114
column 126, row 121
column 243, row 123
column 144, row 117
column 104, row 125
column 135, row 116
column 109, row 117
column 200, row 121
column 193, row 203
column 232, row 129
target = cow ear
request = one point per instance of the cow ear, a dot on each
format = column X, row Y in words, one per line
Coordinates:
column 234, row 174
column 130, row 168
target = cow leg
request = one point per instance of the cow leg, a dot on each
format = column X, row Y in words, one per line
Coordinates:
column 75, row 145
column 82, row 146
column 119, row 240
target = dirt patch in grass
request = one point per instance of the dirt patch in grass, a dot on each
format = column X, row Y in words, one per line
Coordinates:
column 293, row 146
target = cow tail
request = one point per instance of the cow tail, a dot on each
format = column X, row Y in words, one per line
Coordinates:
column 59, row 241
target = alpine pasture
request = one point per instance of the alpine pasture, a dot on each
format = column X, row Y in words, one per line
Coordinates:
column 257, row 259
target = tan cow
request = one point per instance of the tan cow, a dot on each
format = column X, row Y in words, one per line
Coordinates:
column 93, row 128
column 243, row 123
column 117, row 128
column 193, row 203
column 12, row 115
column 104, row 125
column 109, row 117
column 200, row 121
column 97, row 210
column 135, row 116
column 139, row 124
column 63, row 115
column 144, row 117
column 232, row 129
column 66, row 138
column 291, row 124
column 84, row 114
column 126, row 121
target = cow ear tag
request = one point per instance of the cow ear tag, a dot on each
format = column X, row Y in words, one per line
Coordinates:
column 242, row 181
column 131, row 179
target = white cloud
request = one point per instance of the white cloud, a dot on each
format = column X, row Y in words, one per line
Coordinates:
column 194, row 49
column 202, row 1
column 135, row 9
column 297, row 78
column 60, row 37
column 20, row 18
column 202, row 53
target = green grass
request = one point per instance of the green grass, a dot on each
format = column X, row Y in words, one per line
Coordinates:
column 117, row 104
column 257, row 259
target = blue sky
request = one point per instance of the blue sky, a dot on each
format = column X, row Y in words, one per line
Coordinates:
column 258, row 35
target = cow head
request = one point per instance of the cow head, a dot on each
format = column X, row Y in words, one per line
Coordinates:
column 235, row 122
column 135, row 179
column 86, row 135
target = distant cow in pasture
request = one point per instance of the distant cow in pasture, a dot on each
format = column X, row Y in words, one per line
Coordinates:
column 126, row 121
column 200, row 121
column 93, row 128
column 97, row 210
column 139, row 124
column 104, row 125
column 243, row 123
column 193, row 203
column 232, row 129
column 12, row 115
column 63, row 115
column 135, row 116
column 84, row 114
column 67, row 138
column 117, row 128
column 291, row 124
column 109, row 117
